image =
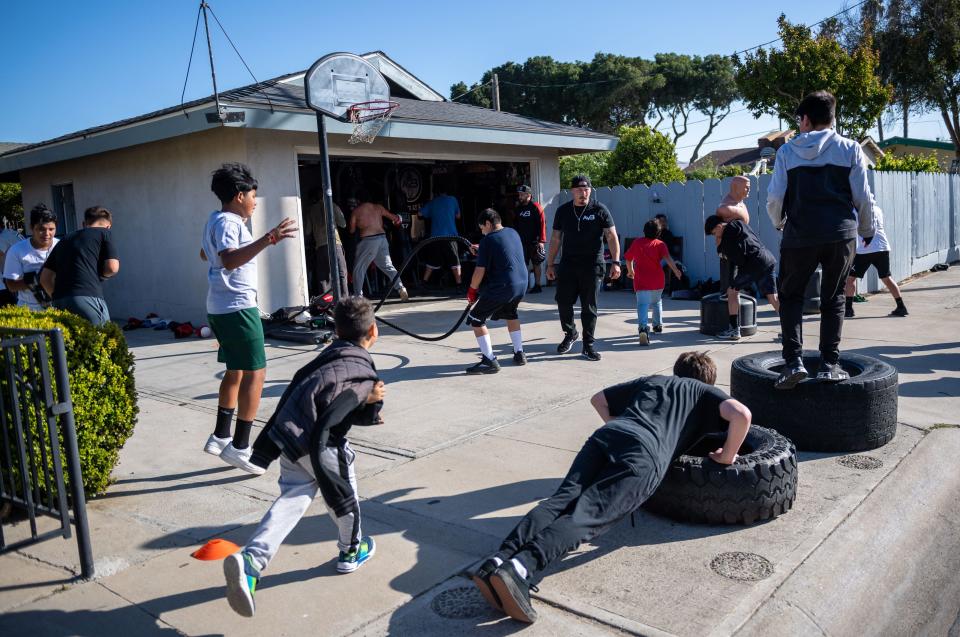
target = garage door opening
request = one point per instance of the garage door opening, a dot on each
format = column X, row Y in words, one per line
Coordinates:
column 403, row 187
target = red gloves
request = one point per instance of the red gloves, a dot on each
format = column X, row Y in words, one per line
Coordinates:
column 472, row 295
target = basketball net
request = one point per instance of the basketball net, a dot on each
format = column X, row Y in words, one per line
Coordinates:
column 368, row 119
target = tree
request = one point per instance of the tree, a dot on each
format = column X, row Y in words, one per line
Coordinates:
column 616, row 91
column 676, row 97
column 593, row 165
column 643, row 156
column 936, row 60
column 715, row 92
column 11, row 205
column 773, row 82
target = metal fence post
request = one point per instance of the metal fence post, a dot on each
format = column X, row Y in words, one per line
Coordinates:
column 64, row 408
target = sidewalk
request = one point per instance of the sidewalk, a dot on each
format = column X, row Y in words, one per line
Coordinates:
column 462, row 458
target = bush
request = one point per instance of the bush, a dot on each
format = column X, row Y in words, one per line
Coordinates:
column 593, row 165
column 909, row 163
column 102, row 388
column 643, row 156
column 708, row 169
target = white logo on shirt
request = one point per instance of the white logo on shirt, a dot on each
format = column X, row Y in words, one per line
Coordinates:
column 588, row 217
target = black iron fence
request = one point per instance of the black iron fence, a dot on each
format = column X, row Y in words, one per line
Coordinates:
column 38, row 440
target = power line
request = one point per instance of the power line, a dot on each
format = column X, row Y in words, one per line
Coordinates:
column 726, row 139
column 476, row 88
column 816, row 24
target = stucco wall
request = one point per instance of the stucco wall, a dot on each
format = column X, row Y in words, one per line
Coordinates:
column 160, row 196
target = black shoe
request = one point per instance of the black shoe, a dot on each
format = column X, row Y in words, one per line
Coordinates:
column 568, row 340
column 589, row 353
column 514, row 593
column 644, row 336
column 536, row 289
column 519, row 358
column 848, row 313
column 831, row 373
column 657, row 328
column 481, row 579
column 485, row 366
column 901, row 310
column 793, row 372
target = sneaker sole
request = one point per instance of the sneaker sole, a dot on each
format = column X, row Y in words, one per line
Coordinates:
column 243, row 466
column 404, row 295
column 238, row 596
column 644, row 339
column 213, row 449
column 350, row 567
column 520, row 363
column 478, row 372
column 510, row 606
column 791, row 381
column 487, row 591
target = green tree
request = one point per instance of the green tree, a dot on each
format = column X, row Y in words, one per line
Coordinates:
column 643, row 156
column 708, row 169
column 593, row 165
column 716, row 90
column 11, row 204
column 773, row 82
column 675, row 99
column 909, row 163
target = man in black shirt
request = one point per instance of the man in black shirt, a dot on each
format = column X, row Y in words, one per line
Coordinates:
column 529, row 223
column 752, row 262
column 75, row 267
column 649, row 422
column 581, row 225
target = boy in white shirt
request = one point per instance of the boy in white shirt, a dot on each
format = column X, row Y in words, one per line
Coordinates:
column 877, row 254
column 25, row 259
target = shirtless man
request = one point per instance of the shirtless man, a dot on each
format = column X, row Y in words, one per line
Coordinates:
column 372, row 246
column 732, row 208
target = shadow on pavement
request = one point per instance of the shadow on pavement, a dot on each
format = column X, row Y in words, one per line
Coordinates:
column 921, row 359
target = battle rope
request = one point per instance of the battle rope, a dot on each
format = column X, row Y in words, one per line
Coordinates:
column 403, row 268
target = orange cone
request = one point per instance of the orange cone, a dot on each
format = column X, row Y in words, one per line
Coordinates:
column 215, row 549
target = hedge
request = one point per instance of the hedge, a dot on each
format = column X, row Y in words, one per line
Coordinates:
column 102, row 387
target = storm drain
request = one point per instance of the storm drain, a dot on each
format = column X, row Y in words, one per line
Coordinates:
column 463, row 602
column 860, row 462
column 744, row 567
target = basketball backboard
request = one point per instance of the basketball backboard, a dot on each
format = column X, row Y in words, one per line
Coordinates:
column 337, row 81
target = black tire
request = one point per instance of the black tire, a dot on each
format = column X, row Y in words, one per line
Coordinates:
column 854, row 415
column 760, row 485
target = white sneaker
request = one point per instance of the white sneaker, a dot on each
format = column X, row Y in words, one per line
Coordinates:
column 404, row 295
column 240, row 458
column 215, row 446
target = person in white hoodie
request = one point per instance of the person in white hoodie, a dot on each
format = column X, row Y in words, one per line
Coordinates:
column 820, row 198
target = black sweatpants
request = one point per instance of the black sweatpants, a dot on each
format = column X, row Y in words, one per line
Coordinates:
column 797, row 265
column 596, row 493
column 583, row 282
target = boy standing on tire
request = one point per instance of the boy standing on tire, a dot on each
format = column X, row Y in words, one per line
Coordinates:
column 649, row 422
column 819, row 196
column 308, row 432
column 232, row 309
column 877, row 254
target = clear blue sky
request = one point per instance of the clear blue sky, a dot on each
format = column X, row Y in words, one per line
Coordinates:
column 71, row 65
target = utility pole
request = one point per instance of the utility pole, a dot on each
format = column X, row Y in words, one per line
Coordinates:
column 496, row 92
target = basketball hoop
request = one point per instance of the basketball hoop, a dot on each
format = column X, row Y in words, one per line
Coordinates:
column 369, row 118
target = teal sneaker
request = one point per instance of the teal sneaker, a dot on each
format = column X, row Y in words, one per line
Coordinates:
column 242, row 577
column 349, row 562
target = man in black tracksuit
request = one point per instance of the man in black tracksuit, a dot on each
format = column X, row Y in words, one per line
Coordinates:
column 649, row 422
column 529, row 224
column 581, row 226
column 819, row 196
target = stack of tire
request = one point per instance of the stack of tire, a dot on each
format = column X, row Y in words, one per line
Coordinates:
column 858, row 414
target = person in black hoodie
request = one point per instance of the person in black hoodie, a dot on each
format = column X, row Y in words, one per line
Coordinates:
column 753, row 263
column 820, row 197
column 307, row 432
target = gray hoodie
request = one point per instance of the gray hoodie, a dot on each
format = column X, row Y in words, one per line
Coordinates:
column 819, row 192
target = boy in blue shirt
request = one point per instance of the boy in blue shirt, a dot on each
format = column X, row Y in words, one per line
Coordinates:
column 503, row 271
column 443, row 212
column 232, row 310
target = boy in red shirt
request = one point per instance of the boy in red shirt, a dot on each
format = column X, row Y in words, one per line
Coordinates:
column 643, row 266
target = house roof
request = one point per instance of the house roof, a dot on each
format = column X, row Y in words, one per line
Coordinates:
column 729, row 157
column 917, row 143
column 283, row 96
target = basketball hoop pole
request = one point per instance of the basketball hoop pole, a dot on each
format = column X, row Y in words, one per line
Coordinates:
column 331, row 217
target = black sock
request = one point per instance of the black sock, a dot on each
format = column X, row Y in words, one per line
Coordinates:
column 241, row 434
column 734, row 321
column 849, row 302
column 900, row 302
column 224, row 420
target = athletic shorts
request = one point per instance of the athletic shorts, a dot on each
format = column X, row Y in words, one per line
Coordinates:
column 443, row 253
column 494, row 309
column 879, row 260
column 764, row 279
column 240, row 335
column 531, row 253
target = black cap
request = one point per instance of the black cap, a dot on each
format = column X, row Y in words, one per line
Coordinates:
column 580, row 181
column 525, row 188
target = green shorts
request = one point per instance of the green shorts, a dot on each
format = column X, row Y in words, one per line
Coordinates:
column 240, row 335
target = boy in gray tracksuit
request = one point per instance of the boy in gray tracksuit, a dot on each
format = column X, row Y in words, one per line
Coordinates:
column 819, row 196
column 308, row 431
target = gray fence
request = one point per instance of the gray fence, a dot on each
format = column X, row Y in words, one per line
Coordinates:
column 921, row 218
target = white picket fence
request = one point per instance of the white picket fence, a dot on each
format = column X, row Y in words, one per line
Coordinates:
column 921, row 218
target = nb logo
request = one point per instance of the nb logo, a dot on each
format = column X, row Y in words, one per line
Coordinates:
column 588, row 217
column 525, row 213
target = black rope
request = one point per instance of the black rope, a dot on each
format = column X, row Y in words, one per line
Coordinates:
column 403, row 268
column 193, row 46
column 256, row 81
